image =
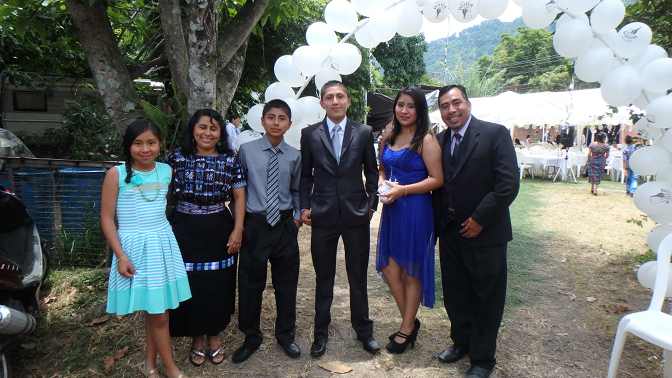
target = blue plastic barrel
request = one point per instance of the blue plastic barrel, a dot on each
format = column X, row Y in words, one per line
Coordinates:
column 4, row 179
column 36, row 188
column 79, row 194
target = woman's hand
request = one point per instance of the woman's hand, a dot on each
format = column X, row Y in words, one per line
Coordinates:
column 395, row 192
column 235, row 239
column 125, row 268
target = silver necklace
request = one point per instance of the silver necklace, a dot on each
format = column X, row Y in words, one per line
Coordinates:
column 406, row 140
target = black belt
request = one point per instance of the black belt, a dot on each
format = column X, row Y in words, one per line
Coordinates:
column 284, row 214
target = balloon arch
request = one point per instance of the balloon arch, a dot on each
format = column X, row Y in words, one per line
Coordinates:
column 629, row 69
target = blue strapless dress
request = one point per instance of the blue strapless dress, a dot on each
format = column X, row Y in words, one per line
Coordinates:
column 406, row 231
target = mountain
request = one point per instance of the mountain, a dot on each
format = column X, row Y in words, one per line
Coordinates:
column 470, row 45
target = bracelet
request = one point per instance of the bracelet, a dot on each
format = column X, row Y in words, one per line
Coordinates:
column 406, row 187
column 121, row 258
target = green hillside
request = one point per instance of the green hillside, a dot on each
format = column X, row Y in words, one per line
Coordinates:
column 470, row 45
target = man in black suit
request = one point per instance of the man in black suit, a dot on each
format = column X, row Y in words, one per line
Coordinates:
column 335, row 202
column 472, row 215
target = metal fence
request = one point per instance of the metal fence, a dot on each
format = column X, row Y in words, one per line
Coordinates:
column 63, row 198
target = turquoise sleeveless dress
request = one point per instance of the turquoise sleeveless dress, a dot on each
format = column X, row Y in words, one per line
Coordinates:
column 160, row 282
column 406, row 232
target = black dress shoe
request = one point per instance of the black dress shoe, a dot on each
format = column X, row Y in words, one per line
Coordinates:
column 243, row 353
column 478, row 372
column 370, row 344
column 318, row 348
column 292, row 350
column 452, row 354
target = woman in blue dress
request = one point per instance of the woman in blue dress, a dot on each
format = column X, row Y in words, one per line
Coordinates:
column 410, row 166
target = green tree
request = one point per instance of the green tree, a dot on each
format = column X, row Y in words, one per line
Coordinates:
column 402, row 60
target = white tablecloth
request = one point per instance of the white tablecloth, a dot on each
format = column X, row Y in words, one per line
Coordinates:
column 539, row 162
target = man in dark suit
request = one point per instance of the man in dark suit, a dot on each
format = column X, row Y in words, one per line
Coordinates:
column 472, row 215
column 336, row 202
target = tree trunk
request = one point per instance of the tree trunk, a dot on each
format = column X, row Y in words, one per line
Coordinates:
column 175, row 45
column 201, row 39
column 229, row 77
column 105, row 60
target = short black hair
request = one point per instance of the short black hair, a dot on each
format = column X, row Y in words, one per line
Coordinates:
column 628, row 139
column 447, row 89
column 333, row 83
column 277, row 104
column 601, row 137
column 233, row 116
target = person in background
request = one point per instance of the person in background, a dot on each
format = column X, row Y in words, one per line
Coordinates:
column 630, row 176
column 597, row 160
column 528, row 141
column 206, row 176
column 411, row 167
column 273, row 171
column 232, row 130
column 517, row 142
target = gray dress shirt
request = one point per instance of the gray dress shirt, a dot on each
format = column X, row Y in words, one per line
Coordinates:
column 254, row 157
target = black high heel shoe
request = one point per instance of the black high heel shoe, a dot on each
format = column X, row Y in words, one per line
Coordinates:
column 396, row 348
column 416, row 328
column 416, row 324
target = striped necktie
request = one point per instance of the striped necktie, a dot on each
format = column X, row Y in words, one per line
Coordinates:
column 458, row 138
column 336, row 143
column 272, row 197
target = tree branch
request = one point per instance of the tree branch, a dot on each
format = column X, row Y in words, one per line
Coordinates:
column 236, row 33
column 141, row 70
column 176, row 45
column 146, row 46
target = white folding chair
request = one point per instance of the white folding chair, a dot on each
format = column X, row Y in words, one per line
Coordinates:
column 522, row 166
column 652, row 325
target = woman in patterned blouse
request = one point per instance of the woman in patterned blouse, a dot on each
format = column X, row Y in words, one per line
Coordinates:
column 206, row 175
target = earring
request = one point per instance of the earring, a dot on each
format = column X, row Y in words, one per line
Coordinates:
column 219, row 143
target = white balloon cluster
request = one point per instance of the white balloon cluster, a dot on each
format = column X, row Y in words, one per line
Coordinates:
column 326, row 58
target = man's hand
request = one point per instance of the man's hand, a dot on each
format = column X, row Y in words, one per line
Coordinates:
column 297, row 223
column 371, row 214
column 305, row 217
column 471, row 228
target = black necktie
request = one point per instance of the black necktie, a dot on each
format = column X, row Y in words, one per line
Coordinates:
column 272, row 194
column 458, row 138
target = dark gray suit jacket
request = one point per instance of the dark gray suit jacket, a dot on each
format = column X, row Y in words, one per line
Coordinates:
column 485, row 181
column 326, row 187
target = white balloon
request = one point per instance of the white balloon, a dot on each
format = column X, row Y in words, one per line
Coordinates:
column 657, row 75
column 363, row 35
column 253, row 118
column 286, row 73
column 667, row 142
column 366, row 7
column 491, row 9
column 651, row 53
column 464, row 10
column 345, row 58
column 293, row 135
column 326, row 74
column 641, row 102
column 565, row 18
column 321, row 35
column 621, row 86
column 659, row 112
column 538, row 14
column 383, row 26
column 633, row 39
column 649, row 160
column 656, row 235
column 646, row 274
column 296, row 108
column 577, row 6
column 607, row 15
column 665, row 175
column 248, row 136
column 520, row 3
column 653, row 197
column 278, row 90
column 409, row 19
column 312, row 111
column 419, row 3
column 341, row 16
column 589, row 67
column 609, row 37
column 436, row 11
column 572, row 38
column 307, row 60
column 662, row 218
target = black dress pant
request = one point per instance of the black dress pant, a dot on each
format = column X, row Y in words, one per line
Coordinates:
column 263, row 243
column 324, row 242
column 474, row 291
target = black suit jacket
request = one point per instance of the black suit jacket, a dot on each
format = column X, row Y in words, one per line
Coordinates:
column 326, row 187
column 485, row 181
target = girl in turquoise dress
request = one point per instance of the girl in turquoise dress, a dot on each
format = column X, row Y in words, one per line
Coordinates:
column 147, row 273
column 410, row 164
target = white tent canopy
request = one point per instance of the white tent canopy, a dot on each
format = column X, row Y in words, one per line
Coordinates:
column 577, row 108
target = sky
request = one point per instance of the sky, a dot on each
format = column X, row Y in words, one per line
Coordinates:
column 436, row 31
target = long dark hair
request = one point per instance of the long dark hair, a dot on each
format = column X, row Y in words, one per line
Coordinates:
column 600, row 137
column 188, row 143
column 422, row 124
column 132, row 131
